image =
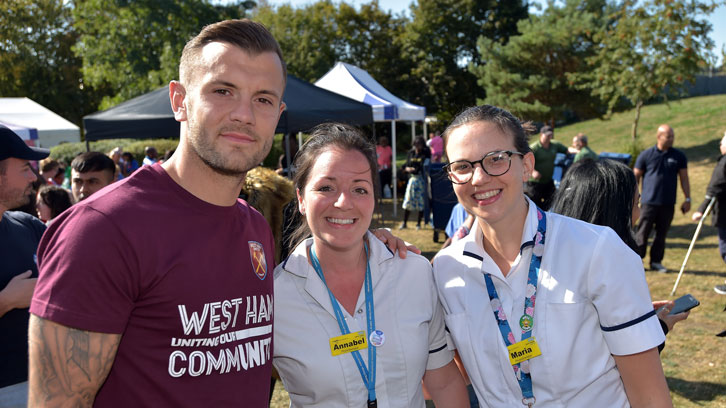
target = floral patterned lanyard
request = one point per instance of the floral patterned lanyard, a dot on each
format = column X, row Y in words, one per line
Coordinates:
column 526, row 322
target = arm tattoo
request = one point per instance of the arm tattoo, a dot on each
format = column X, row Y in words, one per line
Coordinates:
column 67, row 366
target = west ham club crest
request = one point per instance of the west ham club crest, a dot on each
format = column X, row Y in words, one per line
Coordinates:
column 257, row 256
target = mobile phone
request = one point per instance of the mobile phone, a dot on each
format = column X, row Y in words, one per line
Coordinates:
column 684, row 304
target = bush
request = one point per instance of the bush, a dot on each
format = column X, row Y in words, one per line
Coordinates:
column 68, row 151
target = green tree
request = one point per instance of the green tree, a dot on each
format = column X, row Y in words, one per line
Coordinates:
column 308, row 36
column 36, row 60
column 529, row 74
column 648, row 47
column 441, row 41
column 134, row 46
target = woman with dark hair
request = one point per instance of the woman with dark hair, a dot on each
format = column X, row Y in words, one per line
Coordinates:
column 600, row 192
column 590, row 338
column 51, row 202
column 355, row 325
column 605, row 192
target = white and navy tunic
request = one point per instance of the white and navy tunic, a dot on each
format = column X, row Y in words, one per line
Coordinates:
column 592, row 303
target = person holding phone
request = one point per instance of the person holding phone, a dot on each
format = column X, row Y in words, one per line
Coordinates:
column 605, row 192
column 590, row 337
column 354, row 324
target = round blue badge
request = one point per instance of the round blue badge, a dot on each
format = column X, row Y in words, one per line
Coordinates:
column 377, row 338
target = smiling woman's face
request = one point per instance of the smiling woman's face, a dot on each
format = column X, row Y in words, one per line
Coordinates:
column 338, row 200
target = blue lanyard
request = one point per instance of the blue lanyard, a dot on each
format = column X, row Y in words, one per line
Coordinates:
column 369, row 377
column 527, row 321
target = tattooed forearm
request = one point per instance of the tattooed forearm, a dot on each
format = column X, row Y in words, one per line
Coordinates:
column 67, row 366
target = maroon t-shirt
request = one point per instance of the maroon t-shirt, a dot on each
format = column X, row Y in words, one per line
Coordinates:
column 188, row 285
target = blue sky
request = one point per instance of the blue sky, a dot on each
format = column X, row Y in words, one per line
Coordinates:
column 718, row 33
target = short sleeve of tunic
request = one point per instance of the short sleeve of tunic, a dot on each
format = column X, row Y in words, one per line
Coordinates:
column 618, row 289
column 439, row 353
column 85, row 279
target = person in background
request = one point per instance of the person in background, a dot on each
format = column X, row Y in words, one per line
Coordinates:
column 384, row 153
column 51, row 171
column 436, row 144
column 605, row 193
column 717, row 189
column 413, row 200
column 116, row 155
column 540, row 186
column 660, row 167
column 129, row 164
column 343, row 280
column 583, row 151
column 287, row 159
column 19, row 237
column 51, row 202
column 592, row 299
column 90, row 172
column 151, row 156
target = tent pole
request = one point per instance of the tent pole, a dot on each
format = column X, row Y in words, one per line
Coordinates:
column 394, row 177
column 413, row 131
column 425, row 133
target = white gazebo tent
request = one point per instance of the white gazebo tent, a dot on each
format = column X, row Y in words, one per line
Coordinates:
column 355, row 83
column 52, row 129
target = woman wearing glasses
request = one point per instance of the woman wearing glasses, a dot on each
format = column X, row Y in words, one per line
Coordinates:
column 592, row 322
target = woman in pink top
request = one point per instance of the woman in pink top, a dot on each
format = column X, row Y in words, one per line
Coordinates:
column 436, row 144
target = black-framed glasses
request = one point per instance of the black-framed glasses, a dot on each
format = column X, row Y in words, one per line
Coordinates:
column 494, row 163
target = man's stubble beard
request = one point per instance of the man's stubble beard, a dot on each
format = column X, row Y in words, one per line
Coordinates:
column 203, row 146
column 14, row 198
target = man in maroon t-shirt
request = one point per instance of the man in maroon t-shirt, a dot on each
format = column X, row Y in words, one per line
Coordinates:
column 158, row 290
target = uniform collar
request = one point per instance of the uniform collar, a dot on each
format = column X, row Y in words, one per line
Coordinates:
column 474, row 250
column 298, row 265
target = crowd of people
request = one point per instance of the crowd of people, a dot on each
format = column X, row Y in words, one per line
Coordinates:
column 158, row 290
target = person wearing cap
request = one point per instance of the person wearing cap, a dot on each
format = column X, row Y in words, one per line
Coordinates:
column 540, row 186
column 19, row 237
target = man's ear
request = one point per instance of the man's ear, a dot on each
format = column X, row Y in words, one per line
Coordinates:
column 177, row 97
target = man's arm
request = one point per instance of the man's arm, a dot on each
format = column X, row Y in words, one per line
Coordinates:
column 686, row 187
column 17, row 293
column 67, row 366
column 638, row 175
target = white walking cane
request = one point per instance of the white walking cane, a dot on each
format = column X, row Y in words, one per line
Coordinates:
column 693, row 242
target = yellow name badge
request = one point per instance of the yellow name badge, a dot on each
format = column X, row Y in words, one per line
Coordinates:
column 347, row 343
column 524, row 350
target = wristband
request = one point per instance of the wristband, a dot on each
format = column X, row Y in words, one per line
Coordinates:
column 688, row 199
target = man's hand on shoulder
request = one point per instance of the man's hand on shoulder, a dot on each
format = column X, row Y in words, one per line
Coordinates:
column 17, row 293
column 394, row 243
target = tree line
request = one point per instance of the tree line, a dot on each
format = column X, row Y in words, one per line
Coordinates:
column 575, row 57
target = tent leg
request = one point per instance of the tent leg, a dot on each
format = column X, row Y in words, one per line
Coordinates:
column 394, row 177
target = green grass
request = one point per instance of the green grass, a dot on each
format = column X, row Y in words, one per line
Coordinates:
column 694, row 359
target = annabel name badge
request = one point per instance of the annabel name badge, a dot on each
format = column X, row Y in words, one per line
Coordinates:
column 347, row 343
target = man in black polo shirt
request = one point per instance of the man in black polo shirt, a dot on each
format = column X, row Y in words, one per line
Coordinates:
column 659, row 167
column 19, row 237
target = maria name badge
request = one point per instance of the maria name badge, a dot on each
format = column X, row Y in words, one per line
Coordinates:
column 347, row 343
column 524, row 350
